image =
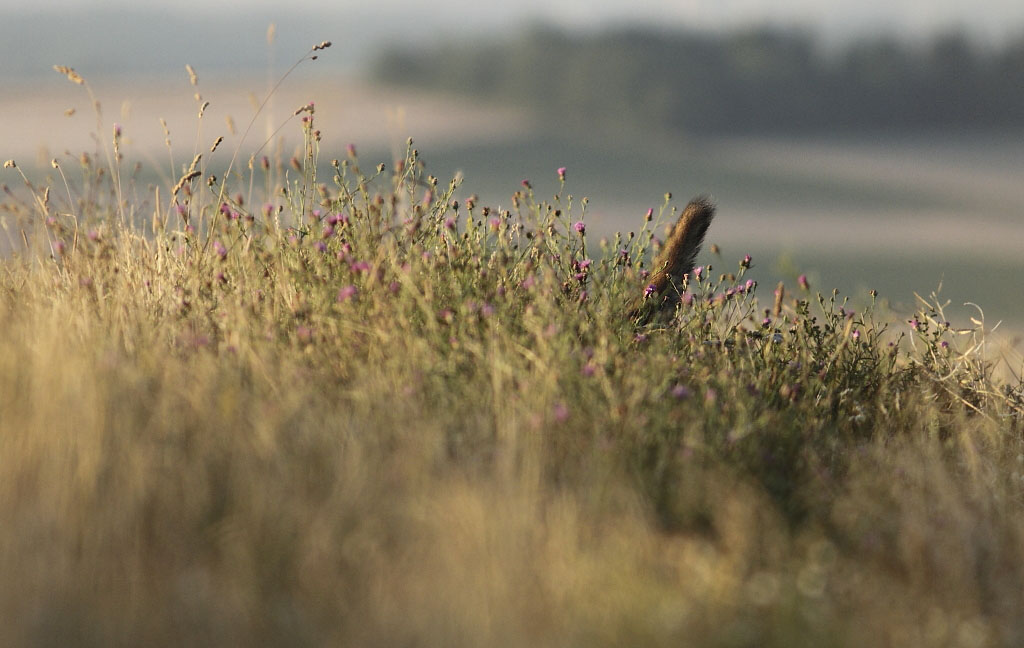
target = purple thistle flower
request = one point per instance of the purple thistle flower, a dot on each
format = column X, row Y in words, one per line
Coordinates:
column 688, row 299
column 944, row 344
column 347, row 292
column 745, row 263
column 681, row 392
column 914, row 324
column 351, row 150
column 59, row 247
column 495, row 223
column 561, row 173
column 588, row 370
column 320, row 246
column 560, row 412
column 219, row 249
column 650, row 290
column 526, row 183
column 585, row 263
column 640, row 338
column 580, row 227
column 327, row 233
column 360, row 266
column 698, row 271
column 802, row 280
column 449, row 223
column 749, row 286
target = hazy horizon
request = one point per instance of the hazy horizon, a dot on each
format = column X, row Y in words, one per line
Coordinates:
column 122, row 37
column 984, row 19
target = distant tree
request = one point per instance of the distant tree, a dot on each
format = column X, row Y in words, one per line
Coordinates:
column 750, row 81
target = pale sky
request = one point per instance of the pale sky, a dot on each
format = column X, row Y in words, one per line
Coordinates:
column 988, row 19
column 119, row 37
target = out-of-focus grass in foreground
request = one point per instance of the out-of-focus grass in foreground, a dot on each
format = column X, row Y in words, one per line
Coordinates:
column 296, row 410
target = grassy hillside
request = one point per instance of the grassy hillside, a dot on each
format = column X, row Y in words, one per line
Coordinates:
column 354, row 410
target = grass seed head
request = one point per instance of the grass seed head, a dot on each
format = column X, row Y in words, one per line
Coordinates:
column 70, row 73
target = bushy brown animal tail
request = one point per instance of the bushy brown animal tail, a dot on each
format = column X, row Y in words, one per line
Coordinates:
column 677, row 258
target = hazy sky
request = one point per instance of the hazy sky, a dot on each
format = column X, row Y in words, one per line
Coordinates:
column 118, row 37
column 987, row 19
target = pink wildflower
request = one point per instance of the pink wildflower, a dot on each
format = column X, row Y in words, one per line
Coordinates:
column 347, row 292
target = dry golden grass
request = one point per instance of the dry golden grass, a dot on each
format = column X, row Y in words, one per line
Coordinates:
column 367, row 416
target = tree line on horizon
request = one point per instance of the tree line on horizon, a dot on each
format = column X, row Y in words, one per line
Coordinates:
column 753, row 81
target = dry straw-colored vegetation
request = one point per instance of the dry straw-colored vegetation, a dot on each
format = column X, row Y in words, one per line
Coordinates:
column 276, row 408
